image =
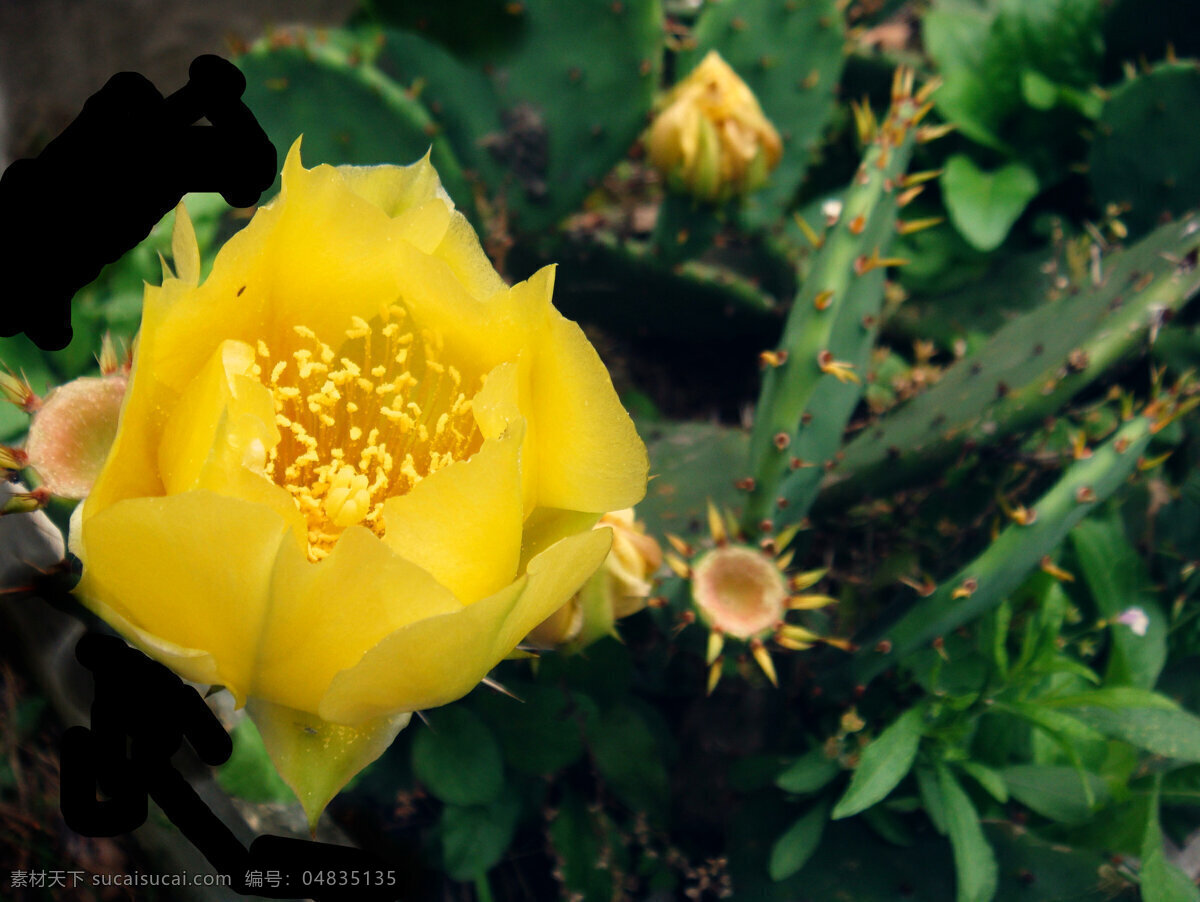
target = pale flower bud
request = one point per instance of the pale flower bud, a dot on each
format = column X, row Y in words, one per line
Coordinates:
column 73, row 431
column 1135, row 619
column 619, row 588
column 711, row 138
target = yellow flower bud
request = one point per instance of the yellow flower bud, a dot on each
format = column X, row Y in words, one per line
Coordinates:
column 711, row 138
column 619, row 588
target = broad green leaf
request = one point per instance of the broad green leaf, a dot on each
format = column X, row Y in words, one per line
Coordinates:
column 541, row 730
column 984, row 205
column 457, row 758
column 1055, row 792
column 974, row 860
column 884, row 763
column 808, row 774
column 792, row 850
column 1116, row 578
column 1162, row 881
column 629, row 758
column 1173, row 734
column 1057, row 723
column 475, row 837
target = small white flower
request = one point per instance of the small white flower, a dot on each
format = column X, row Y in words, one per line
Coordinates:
column 1135, row 619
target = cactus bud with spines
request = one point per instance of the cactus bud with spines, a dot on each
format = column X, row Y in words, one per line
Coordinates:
column 70, row 434
column 742, row 594
column 711, row 139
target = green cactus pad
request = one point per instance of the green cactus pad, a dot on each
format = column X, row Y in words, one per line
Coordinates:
column 624, row 286
column 556, row 119
column 1143, row 156
column 791, row 56
column 808, row 397
column 690, row 463
column 1027, row 370
column 985, row 582
column 347, row 110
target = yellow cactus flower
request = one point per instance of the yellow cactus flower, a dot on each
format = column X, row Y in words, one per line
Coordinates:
column 711, row 138
column 618, row 589
column 354, row 468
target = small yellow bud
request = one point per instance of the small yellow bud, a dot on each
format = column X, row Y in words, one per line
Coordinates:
column 619, row 588
column 711, row 138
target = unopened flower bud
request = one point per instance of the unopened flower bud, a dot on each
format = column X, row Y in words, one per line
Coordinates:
column 72, row 432
column 619, row 588
column 711, row 138
column 1135, row 619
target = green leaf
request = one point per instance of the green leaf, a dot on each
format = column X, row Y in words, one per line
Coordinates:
column 579, row 837
column 1058, row 724
column 249, row 773
column 793, row 849
column 974, row 860
column 984, row 205
column 1056, row 792
column 1182, row 786
column 985, row 50
column 1063, row 664
column 457, row 758
column 1117, row 579
column 1039, row 92
column 1173, row 734
column 1114, row 698
column 542, row 732
column 992, row 781
column 809, row 773
column 884, row 763
column 889, row 825
column 628, row 757
column 931, row 797
column 1162, row 881
column 474, row 838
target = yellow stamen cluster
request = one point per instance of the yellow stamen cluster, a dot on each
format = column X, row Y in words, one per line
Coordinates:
column 363, row 423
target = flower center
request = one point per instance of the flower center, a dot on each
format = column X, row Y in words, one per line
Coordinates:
column 739, row 591
column 362, row 424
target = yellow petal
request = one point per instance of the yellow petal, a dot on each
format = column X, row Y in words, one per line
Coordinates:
column 462, row 253
column 315, row 758
column 437, row 660
column 131, row 470
column 193, row 570
column 187, row 439
column 589, row 456
column 220, row 432
column 497, row 410
column 463, row 523
column 324, row 616
column 547, row 525
column 317, row 255
column 393, row 189
column 184, row 249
